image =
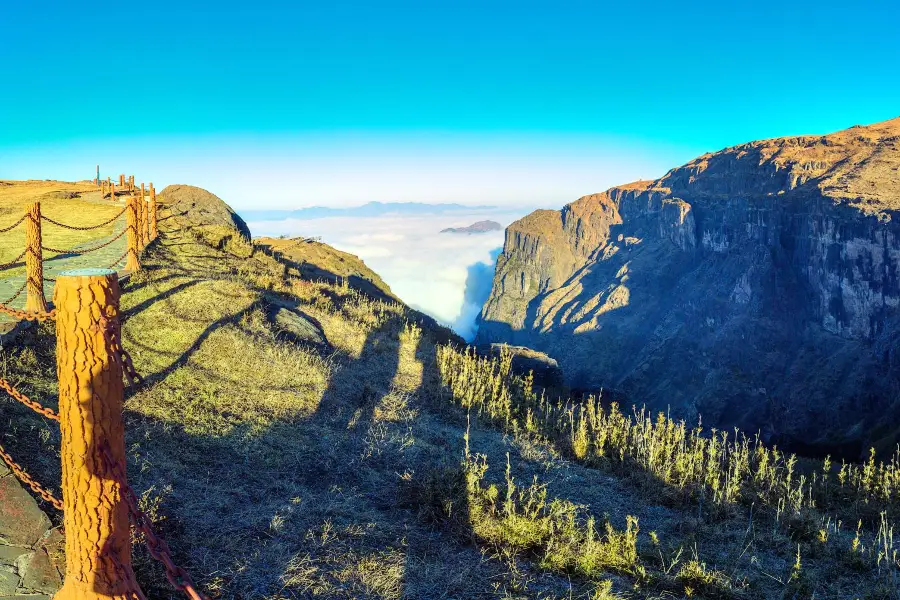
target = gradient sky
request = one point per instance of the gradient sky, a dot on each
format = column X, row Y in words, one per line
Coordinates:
column 299, row 103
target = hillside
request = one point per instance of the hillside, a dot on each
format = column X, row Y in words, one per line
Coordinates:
column 753, row 287
column 390, row 462
column 313, row 260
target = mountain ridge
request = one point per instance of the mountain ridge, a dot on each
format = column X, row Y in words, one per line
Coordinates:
column 369, row 209
column 723, row 287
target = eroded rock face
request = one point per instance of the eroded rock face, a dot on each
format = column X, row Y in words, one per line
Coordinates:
column 758, row 286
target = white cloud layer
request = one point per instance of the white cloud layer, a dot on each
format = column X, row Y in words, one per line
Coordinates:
column 427, row 269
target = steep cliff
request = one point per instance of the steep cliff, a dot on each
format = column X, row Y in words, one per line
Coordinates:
column 757, row 286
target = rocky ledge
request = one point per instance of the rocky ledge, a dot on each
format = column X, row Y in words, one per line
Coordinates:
column 758, row 286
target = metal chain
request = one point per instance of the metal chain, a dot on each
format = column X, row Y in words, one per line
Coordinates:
column 28, row 315
column 16, row 295
column 118, row 260
column 134, row 593
column 112, row 330
column 159, row 549
column 88, row 228
column 25, row 478
column 14, row 225
column 35, row 406
column 87, row 250
column 14, row 261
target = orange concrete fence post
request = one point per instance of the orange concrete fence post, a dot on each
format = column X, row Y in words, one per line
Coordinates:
column 34, row 261
column 145, row 220
column 139, row 211
column 154, row 226
column 121, row 181
column 98, row 534
column 132, row 263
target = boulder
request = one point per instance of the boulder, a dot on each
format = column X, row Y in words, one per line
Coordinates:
column 195, row 207
column 291, row 323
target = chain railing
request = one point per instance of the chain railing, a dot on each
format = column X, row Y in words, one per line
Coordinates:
column 93, row 446
column 139, row 227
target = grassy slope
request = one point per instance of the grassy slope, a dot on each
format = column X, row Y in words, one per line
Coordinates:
column 316, row 261
column 277, row 471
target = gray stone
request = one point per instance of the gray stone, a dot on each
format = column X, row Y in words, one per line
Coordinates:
column 40, row 575
column 9, row 582
column 22, row 523
column 10, row 554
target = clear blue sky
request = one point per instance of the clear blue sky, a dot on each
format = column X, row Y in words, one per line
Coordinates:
column 554, row 81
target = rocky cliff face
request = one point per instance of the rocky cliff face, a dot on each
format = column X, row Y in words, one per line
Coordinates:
column 757, row 286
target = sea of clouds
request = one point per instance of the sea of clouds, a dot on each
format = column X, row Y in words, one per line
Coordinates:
column 445, row 275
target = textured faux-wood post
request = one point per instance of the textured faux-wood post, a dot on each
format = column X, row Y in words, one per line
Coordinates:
column 34, row 261
column 132, row 262
column 98, row 535
column 141, row 208
column 154, row 228
column 145, row 222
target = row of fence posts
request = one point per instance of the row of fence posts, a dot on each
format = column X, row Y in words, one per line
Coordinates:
column 142, row 227
column 97, row 500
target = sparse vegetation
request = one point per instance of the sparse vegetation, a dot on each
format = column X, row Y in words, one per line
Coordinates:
column 720, row 474
column 395, row 463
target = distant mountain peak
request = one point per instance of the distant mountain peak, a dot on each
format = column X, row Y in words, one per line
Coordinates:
column 373, row 208
column 478, row 227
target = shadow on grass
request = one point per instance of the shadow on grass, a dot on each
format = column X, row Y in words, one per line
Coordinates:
column 275, row 507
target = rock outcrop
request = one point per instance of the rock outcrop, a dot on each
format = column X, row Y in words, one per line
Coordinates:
column 197, row 208
column 757, row 286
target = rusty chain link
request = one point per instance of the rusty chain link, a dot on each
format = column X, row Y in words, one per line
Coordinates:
column 14, row 225
column 120, row 259
column 159, row 549
column 35, row 406
column 25, row 478
column 87, row 250
column 14, row 261
column 18, row 291
column 112, row 331
column 28, row 315
column 87, row 228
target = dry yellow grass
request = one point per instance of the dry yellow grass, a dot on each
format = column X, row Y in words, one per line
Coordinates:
column 278, row 469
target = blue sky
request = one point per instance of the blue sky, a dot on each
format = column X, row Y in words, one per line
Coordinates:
column 298, row 103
